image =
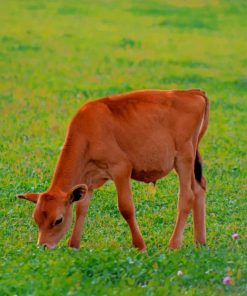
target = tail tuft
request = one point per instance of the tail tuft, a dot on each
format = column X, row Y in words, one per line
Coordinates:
column 198, row 168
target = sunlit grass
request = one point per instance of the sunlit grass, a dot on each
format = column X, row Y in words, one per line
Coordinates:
column 56, row 55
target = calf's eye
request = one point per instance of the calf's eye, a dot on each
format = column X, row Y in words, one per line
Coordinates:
column 58, row 221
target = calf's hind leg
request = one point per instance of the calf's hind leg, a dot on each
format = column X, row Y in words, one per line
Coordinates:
column 184, row 166
column 199, row 213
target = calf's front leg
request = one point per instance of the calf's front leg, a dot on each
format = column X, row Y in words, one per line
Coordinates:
column 127, row 209
column 81, row 212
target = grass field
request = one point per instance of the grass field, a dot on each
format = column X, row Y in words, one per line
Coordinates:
column 55, row 55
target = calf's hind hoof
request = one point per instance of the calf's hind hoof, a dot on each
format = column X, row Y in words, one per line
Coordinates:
column 200, row 245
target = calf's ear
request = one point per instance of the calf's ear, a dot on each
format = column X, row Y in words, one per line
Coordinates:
column 33, row 197
column 78, row 192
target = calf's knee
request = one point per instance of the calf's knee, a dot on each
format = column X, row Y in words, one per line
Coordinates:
column 127, row 213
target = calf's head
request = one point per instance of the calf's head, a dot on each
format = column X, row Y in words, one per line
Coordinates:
column 53, row 213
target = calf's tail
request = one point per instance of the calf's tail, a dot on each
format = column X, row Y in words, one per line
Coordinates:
column 198, row 160
column 198, row 167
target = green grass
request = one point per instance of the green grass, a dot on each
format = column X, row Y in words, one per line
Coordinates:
column 55, row 55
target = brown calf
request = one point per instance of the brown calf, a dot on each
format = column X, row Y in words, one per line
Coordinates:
column 141, row 135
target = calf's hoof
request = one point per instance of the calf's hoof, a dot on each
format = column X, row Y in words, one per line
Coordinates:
column 140, row 246
column 142, row 249
column 200, row 244
column 73, row 243
column 174, row 245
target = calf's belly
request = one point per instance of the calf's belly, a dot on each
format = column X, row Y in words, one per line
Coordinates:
column 148, row 176
column 151, row 165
